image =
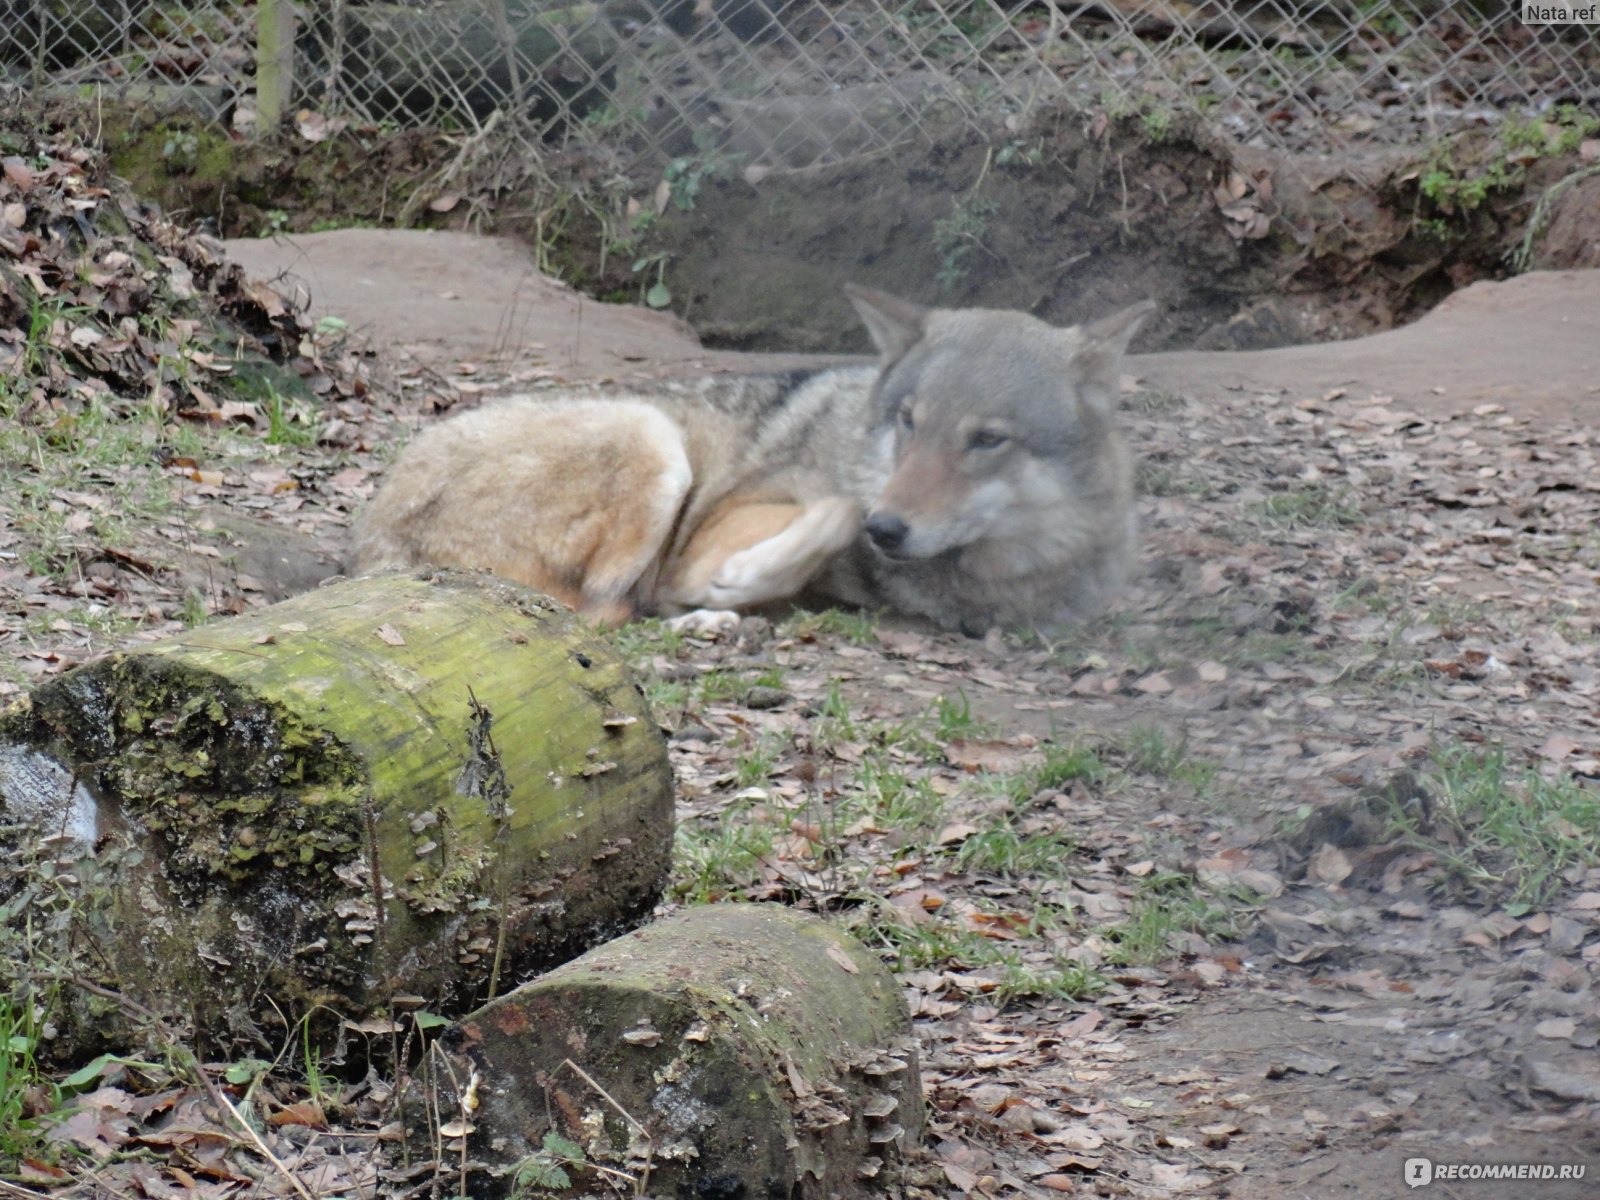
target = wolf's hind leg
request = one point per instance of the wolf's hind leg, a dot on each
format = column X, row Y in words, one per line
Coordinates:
column 618, row 548
column 760, row 553
column 730, row 527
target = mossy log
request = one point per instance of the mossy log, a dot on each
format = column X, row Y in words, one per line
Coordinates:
column 743, row 1049
column 389, row 786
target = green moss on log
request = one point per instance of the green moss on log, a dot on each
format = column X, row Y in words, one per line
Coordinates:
column 234, row 784
column 302, row 789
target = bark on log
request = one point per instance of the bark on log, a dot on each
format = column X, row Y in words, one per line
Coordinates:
column 755, row 1050
column 307, row 805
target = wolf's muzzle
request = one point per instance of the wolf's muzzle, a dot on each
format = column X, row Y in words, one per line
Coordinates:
column 888, row 533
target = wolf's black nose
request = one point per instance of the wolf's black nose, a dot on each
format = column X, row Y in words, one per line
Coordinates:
column 887, row 531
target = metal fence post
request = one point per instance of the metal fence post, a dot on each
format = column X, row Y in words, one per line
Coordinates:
column 275, row 24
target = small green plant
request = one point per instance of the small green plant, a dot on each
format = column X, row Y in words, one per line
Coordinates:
column 195, row 611
column 834, row 723
column 1067, row 764
column 754, row 766
column 1457, row 190
column 288, row 423
column 956, row 236
column 330, row 328
column 952, row 718
column 719, row 686
column 1167, row 904
column 1157, row 480
column 181, row 148
column 896, row 798
column 43, row 316
column 685, row 176
column 1115, row 103
column 246, row 1071
column 1157, row 122
column 1006, row 851
column 718, row 859
column 1150, row 751
column 21, row 1082
column 1456, row 615
column 638, row 641
column 946, row 943
column 657, row 294
column 1315, row 506
column 1019, row 153
column 669, row 699
column 773, row 675
column 545, row 1170
column 851, row 624
column 274, row 222
column 1516, row 831
column 612, row 118
column 1383, row 17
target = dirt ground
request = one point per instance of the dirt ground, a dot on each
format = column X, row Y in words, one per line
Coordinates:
column 1357, row 552
column 1279, row 876
column 1079, row 213
column 446, row 298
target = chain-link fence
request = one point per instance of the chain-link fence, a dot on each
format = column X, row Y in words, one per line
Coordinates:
column 792, row 84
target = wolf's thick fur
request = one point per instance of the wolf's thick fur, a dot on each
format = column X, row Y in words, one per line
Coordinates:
column 974, row 476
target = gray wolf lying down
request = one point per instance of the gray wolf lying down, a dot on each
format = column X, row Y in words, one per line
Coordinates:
column 974, row 476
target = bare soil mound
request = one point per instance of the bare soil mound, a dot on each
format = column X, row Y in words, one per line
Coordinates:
column 1533, row 340
column 446, row 297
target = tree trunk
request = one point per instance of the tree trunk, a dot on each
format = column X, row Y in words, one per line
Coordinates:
column 307, row 803
column 743, row 1049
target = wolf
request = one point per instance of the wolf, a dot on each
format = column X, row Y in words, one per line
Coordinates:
column 974, row 476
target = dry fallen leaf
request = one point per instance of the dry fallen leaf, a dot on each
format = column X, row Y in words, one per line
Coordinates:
column 1329, row 864
column 305, row 1112
column 844, row 960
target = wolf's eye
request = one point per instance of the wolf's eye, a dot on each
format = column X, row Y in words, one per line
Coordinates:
column 986, row 439
column 904, row 417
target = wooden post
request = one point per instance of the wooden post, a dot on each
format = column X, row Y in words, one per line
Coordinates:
column 275, row 26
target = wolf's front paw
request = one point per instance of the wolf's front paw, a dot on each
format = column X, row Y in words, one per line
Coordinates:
column 707, row 623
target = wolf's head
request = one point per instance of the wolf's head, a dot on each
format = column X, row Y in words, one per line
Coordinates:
column 992, row 424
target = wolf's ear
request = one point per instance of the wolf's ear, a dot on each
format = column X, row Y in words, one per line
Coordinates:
column 895, row 325
column 1100, row 347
